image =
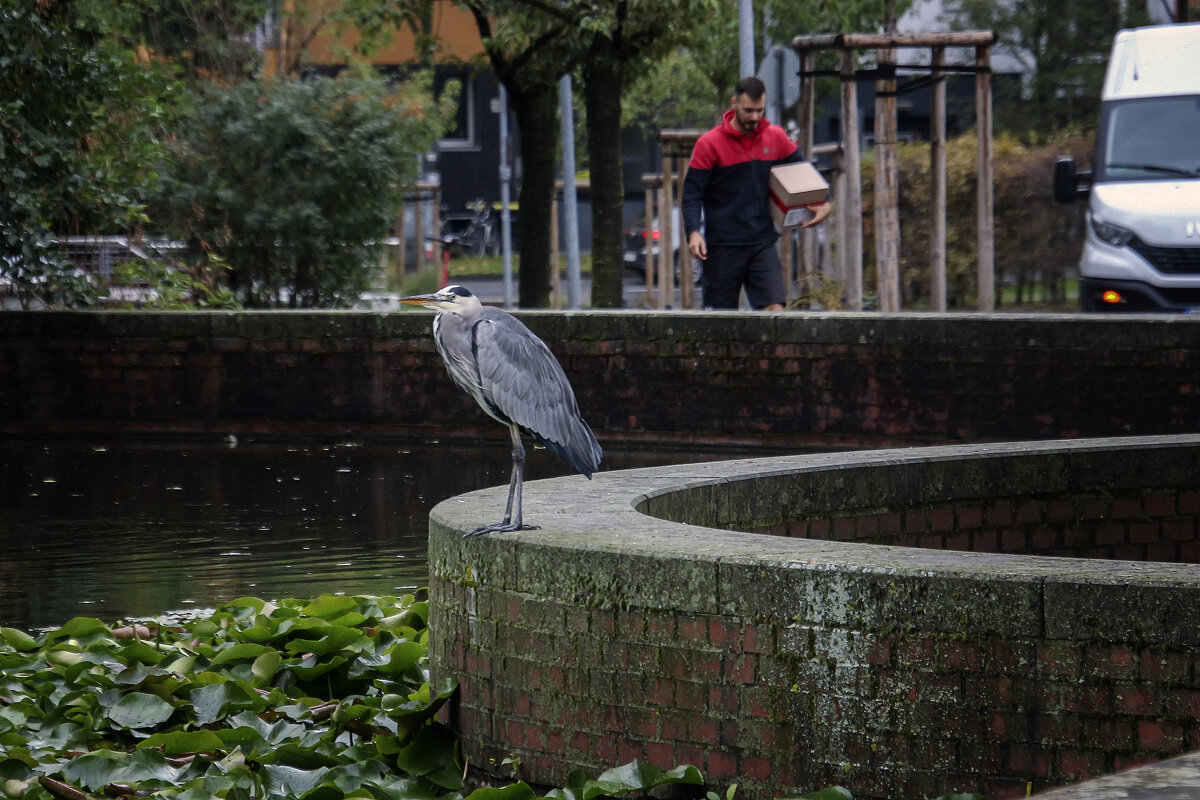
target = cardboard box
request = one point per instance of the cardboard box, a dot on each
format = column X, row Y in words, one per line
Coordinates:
column 794, row 188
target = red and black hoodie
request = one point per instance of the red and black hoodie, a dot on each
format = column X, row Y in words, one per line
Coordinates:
column 728, row 177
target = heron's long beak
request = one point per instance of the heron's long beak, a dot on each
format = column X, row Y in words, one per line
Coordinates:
column 420, row 299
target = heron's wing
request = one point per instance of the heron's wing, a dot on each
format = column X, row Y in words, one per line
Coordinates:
column 521, row 378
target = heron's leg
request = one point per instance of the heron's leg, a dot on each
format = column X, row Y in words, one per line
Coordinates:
column 512, row 510
column 516, row 479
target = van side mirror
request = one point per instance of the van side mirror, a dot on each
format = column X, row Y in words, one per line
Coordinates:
column 1070, row 184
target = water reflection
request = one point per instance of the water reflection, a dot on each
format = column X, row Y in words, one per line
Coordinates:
column 134, row 530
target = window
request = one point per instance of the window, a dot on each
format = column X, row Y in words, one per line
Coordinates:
column 462, row 136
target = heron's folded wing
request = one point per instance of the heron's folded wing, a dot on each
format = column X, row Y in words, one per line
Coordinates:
column 522, row 378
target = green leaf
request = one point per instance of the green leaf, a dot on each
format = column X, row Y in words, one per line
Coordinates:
column 265, row 667
column 285, row 780
column 432, row 756
column 240, row 652
column 180, row 743
column 516, row 791
column 79, row 628
column 18, row 640
column 333, row 639
column 140, row 710
column 828, row 793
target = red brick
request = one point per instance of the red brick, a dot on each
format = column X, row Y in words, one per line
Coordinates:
column 1109, row 533
column 1142, row 532
column 1169, row 666
column 1061, row 509
column 1029, row 511
column 985, row 541
column 1080, row 764
column 1111, row 662
column 1160, row 505
column 969, row 517
column 740, row 669
column 1029, row 761
column 1132, row 699
column 755, row 768
column 941, row 519
column 720, row 765
column 1059, row 659
column 915, row 520
column 1013, row 540
column 1126, row 507
column 757, row 638
column 843, row 529
column 1042, row 540
column 1179, row 530
column 629, row 750
column 691, row 629
column 1189, row 502
column 998, row 514
column 723, row 633
column 960, row 655
column 661, row 754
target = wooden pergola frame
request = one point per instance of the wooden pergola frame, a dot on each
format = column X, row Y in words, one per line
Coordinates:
column 887, row 221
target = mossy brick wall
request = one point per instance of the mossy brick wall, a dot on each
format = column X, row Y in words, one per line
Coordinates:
column 792, row 379
column 639, row 622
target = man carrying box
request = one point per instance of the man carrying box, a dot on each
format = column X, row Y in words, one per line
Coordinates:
column 728, row 180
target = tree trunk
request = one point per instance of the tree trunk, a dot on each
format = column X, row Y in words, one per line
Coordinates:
column 604, row 80
column 537, row 120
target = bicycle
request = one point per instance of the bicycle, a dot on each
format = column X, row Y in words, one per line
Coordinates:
column 475, row 233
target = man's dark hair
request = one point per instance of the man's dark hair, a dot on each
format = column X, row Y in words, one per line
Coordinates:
column 751, row 86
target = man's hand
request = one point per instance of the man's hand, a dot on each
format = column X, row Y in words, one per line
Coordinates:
column 697, row 246
column 819, row 214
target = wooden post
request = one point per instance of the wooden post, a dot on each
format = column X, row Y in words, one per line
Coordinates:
column 651, row 184
column 687, row 286
column 986, row 172
column 851, row 205
column 937, row 172
column 666, row 266
column 807, row 250
column 841, row 212
column 887, row 212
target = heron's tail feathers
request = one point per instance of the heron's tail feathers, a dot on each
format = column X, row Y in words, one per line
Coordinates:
column 581, row 451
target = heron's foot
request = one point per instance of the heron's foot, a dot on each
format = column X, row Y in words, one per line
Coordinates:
column 500, row 527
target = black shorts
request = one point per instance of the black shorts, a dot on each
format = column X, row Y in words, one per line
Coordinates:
column 729, row 267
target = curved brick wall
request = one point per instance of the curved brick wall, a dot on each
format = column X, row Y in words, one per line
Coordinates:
column 640, row 623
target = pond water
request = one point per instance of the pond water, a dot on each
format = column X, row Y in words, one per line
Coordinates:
column 128, row 530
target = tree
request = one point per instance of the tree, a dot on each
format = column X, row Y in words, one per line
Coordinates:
column 210, row 40
column 1063, row 47
column 80, row 116
column 623, row 38
column 292, row 183
column 530, row 49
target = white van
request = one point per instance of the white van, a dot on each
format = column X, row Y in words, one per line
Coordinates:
column 1142, row 251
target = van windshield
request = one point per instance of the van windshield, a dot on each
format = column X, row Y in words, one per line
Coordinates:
column 1152, row 138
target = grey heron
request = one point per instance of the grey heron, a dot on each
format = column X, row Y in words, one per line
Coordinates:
column 515, row 378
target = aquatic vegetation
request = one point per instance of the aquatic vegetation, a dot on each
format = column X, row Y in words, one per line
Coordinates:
column 318, row 699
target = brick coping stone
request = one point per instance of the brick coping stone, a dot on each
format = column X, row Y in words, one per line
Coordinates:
column 652, row 543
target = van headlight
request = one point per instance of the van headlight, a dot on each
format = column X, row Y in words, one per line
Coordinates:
column 1107, row 232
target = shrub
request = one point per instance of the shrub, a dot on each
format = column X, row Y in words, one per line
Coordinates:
column 292, row 183
column 1035, row 238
